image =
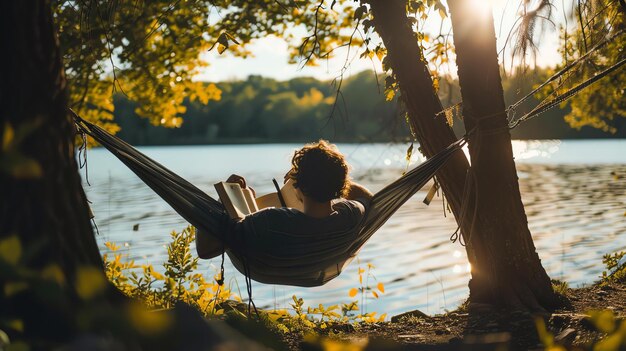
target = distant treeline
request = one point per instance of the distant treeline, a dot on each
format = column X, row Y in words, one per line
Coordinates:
column 303, row 109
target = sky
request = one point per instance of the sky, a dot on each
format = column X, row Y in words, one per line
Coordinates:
column 271, row 54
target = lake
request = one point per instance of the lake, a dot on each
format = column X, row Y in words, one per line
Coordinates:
column 574, row 192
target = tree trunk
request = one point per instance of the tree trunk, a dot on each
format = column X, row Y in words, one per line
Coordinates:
column 506, row 269
column 42, row 201
column 417, row 93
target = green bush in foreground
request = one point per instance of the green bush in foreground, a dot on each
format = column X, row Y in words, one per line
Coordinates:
column 181, row 282
column 614, row 271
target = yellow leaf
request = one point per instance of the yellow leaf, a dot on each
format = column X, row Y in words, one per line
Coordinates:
column 389, row 94
column 53, row 272
column 381, row 287
column 382, row 317
column 7, row 138
column 353, row 292
column 334, row 345
column 221, row 48
column 16, row 324
column 156, row 275
column 610, row 343
column 380, row 54
column 89, row 282
column 603, row 320
column 273, row 316
column 148, row 322
column 10, row 249
column 111, row 246
column 13, row 288
column 375, row 294
column 26, row 168
column 18, row 346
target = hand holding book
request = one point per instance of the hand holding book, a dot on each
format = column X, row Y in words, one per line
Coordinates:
column 240, row 200
column 235, row 178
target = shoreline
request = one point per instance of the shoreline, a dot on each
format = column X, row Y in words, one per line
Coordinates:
column 483, row 327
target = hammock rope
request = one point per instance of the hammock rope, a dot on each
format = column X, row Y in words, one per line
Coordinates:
column 568, row 94
column 326, row 256
column 302, row 260
column 567, row 68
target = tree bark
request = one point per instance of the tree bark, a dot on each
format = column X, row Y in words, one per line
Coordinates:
column 44, row 205
column 417, row 93
column 506, row 270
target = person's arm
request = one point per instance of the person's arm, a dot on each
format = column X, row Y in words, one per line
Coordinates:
column 207, row 246
column 357, row 191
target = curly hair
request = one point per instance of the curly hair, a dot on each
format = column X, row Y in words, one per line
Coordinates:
column 320, row 171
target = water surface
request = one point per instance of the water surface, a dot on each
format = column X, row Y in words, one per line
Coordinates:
column 574, row 193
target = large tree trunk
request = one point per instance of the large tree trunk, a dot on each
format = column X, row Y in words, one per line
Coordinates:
column 417, row 93
column 42, row 201
column 506, row 268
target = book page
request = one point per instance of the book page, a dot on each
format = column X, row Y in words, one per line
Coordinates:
column 289, row 195
column 247, row 193
column 268, row 200
column 233, row 199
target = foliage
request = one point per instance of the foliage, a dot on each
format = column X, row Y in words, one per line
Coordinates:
column 179, row 282
column 12, row 160
column 560, row 287
column 615, row 268
column 306, row 321
column 263, row 109
column 604, row 321
column 149, row 51
column 76, row 302
column 599, row 105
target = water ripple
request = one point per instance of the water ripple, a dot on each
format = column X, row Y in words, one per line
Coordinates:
column 575, row 214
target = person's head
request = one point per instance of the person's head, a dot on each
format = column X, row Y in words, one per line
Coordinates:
column 320, row 171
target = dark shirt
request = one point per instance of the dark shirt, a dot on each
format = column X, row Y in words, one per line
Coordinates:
column 283, row 226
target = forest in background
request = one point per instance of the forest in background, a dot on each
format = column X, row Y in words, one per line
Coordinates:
column 264, row 110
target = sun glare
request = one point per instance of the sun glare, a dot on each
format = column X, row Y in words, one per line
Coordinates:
column 482, row 7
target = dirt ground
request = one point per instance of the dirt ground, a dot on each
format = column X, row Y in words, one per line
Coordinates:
column 481, row 328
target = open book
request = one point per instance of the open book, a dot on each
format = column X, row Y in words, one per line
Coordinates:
column 240, row 202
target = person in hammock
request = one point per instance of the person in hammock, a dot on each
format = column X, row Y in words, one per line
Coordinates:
column 332, row 202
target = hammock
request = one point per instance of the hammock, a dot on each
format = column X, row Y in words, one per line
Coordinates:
column 293, row 259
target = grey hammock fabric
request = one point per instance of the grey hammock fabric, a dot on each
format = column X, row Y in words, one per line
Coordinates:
column 286, row 240
column 287, row 258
